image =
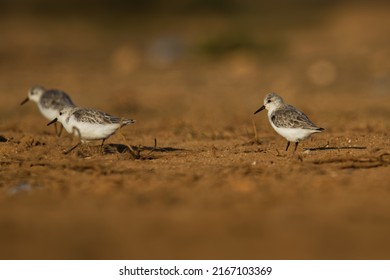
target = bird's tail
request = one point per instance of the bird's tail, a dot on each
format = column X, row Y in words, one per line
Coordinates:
column 126, row 122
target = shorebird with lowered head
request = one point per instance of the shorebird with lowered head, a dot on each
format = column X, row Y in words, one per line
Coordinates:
column 89, row 124
column 49, row 102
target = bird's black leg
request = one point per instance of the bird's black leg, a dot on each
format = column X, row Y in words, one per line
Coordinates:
column 55, row 129
column 288, row 145
column 71, row 149
column 75, row 130
column 59, row 133
column 296, row 146
column 101, row 147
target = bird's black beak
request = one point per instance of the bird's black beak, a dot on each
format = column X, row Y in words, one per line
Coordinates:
column 261, row 109
column 24, row 101
column 53, row 121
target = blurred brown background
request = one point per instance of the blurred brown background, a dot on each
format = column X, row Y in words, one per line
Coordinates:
column 192, row 73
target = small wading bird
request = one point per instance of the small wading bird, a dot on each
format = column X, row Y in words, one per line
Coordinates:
column 89, row 124
column 288, row 121
column 49, row 102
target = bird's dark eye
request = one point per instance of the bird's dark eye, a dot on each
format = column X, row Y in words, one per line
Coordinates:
column 60, row 113
column 269, row 101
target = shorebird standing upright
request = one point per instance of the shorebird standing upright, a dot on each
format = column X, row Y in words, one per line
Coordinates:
column 287, row 120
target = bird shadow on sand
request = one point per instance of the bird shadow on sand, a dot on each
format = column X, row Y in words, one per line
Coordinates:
column 351, row 161
column 335, row 148
column 138, row 152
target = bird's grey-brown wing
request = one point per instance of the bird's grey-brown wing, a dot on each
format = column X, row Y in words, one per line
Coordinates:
column 290, row 117
column 90, row 116
column 98, row 117
column 56, row 99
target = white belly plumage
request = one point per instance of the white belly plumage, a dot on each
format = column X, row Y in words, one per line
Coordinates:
column 49, row 114
column 294, row 134
column 91, row 131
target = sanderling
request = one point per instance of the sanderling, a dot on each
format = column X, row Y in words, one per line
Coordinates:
column 49, row 102
column 288, row 121
column 89, row 124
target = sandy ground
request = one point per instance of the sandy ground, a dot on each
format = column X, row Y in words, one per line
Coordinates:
column 209, row 189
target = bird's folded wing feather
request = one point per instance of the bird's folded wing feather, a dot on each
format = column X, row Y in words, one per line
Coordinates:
column 290, row 117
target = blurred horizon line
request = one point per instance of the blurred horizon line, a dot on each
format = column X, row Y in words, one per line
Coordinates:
column 45, row 7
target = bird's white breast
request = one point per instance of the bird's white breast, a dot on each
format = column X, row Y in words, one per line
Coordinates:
column 293, row 134
column 49, row 114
